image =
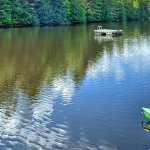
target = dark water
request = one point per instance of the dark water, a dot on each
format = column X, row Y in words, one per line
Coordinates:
column 64, row 88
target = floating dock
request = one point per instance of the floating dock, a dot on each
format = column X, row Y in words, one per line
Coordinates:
column 101, row 31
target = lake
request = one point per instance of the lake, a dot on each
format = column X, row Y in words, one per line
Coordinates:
column 63, row 87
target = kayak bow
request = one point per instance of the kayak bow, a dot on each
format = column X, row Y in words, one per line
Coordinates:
column 146, row 112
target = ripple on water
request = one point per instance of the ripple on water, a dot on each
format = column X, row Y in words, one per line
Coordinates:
column 30, row 126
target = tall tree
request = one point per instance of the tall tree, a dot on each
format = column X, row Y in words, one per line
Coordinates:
column 61, row 9
column 94, row 10
column 44, row 11
column 5, row 12
column 23, row 12
column 143, row 10
column 131, row 10
column 77, row 11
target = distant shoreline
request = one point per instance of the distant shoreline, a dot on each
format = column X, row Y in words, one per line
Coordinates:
column 65, row 24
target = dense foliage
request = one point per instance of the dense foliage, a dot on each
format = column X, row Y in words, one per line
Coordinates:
column 50, row 12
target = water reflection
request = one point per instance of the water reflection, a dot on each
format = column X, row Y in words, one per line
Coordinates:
column 146, row 127
column 114, row 62
column 41, row 74
column 101, row 38
column 64, row 86
column 31, row 125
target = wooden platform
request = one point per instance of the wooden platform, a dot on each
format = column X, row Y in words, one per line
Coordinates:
column 100, row 31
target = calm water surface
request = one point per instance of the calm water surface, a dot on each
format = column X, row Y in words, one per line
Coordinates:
column 65, row 88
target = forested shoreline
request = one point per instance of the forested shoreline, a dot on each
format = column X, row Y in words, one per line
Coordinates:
column 53, row 12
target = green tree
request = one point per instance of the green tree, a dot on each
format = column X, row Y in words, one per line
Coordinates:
column 143, row 10
column 61, row 10
column 106, row 11
column 16, row 12
column 5, row 12
column 30, row 14
column 45, row 12
column 23, row 13
column 131, row 10
column 77, row 11
column 94, row 10
column 117, row 10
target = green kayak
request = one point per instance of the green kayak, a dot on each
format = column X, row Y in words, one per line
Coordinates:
column 146, row 112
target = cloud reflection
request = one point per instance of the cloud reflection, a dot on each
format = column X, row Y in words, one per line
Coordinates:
column 31, row 125
column 114, row 63
column 64, row 86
